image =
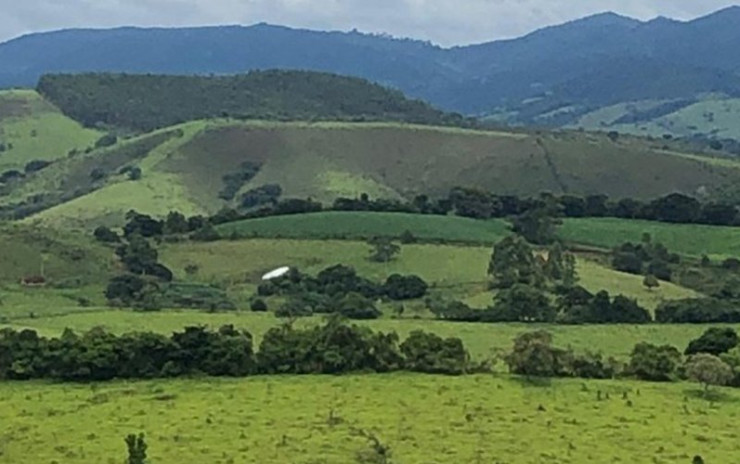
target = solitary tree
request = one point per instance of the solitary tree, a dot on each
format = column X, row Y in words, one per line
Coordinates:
column 708, row 370
column 136, row 449
column 650, row 282
column 383, row 249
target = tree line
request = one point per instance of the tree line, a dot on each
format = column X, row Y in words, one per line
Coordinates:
column 711, row 359
column 148, row 102
column 334, row 347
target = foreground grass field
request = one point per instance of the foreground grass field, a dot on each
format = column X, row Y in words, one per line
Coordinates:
column 689, row 239
column 421, row 419
column 482, row 340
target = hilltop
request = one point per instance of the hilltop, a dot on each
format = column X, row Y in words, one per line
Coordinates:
column 602, row 72
column 145, row 103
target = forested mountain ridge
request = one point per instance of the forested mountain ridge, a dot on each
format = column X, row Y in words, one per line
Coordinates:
column 555, row 76
column 148, row 102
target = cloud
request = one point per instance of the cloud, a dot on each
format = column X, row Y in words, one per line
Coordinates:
column 446, row 22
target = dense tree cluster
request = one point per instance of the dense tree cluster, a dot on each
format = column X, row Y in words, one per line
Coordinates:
column 698, row 311
column 332, row 348
column 338, row 289
column 648, row 258
column 148, row 102
column 533, row 355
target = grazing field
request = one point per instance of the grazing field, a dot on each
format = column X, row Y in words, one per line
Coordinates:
column 362, row 225
column 455, row 271
column 37, row 130
column 420, row 419
column 482, row 340
column 688, row 239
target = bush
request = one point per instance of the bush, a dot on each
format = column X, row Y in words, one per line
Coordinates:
column 258, row 305
column 655, row 363
column 355, row 306
column 534, row 356
column 106, row 235
column 35, row 166
column 714, row 341
column 410, row 287
column 698, row 311
column 429, row 353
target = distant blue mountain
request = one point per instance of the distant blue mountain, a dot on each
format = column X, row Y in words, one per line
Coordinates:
column 590, row 62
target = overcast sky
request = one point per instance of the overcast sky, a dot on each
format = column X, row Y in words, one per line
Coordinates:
column 446, row 22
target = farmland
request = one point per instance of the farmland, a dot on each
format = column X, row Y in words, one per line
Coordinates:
column 688, row 239
column 428, row 419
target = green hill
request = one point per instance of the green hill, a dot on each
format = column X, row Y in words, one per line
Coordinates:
column 33, row 129
column 185, row 167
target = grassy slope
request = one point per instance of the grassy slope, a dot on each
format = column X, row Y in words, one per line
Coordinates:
column 326, row 160
column 157, row 192
column 361, row 225
column 692, row 239
column 455, row 271
column 37, row 130
column 422, row 419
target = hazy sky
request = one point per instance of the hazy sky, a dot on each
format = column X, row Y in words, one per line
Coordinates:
column 446, row 22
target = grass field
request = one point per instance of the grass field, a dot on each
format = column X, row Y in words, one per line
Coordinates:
column 688, row 239
column 483, row 340
column 361, row 225
column 313, row 419
column 37, row 130
column 456, row 271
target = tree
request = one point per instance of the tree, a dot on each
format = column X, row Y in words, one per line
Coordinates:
column 383, row 249
column 676, row 208
column 570, row 273
column 134, row 173
column 650, row 282
column 513, row 262
column 707, row 370
column 524, row 303
column 399, row 287
column 714, row 341
column 536, row 226
column 534, row 356
column 258, row 305
column 106, row 235
column 356, row 306
column 175, row 223
column 136, row 449
column 654, row 363
column 207, row 233
column 429, row 353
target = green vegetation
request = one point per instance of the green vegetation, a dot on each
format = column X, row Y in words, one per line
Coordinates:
column 360, row 225
column 292, row 419
column 482, row 340
column 694, row 240
column 33, row 129
column 147, row 102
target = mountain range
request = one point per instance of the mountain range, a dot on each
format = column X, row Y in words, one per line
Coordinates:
column 565, row 75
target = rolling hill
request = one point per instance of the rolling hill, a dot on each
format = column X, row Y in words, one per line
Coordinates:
column 551, row 77
column 31, row 128
column 184, row 168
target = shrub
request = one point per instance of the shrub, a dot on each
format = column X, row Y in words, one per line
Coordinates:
column 399, row 287
column 258, row 305
column 714, row 341
column 429, row 353
column 106, row 235
column 655, row 363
